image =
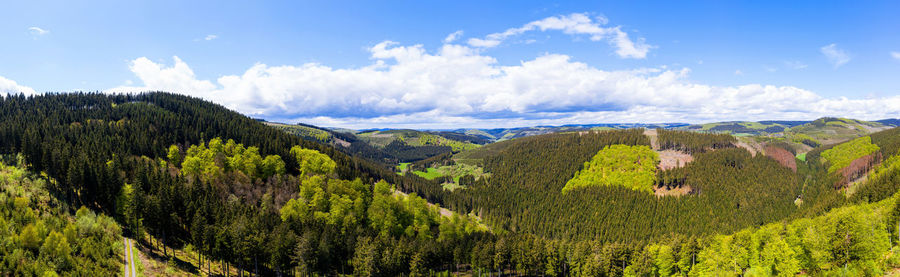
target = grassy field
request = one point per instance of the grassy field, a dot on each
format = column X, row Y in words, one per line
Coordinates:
column 429, row 174
column 403, row 167
column 455, row 171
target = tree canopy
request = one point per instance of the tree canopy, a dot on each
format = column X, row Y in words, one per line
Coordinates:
column 631, row 166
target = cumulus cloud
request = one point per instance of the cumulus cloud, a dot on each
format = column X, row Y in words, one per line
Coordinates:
column 178, row 79
column 835, row 55
column 453, row 36
column 896, row 55
column 37, row 31
column 459, row 86
column 574, row 24
column 8, row 86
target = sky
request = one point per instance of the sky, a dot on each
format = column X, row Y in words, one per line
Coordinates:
column 470, row 64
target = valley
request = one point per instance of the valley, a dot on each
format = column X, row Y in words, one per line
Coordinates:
column 450, row 138
column 199, row 194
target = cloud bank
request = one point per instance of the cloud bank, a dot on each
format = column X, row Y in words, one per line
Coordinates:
column 459, row 86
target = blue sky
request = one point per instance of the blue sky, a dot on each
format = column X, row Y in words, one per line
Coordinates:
column 387, row 64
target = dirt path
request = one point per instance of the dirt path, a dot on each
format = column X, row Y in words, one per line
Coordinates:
column 129, row 259
column 652, row 134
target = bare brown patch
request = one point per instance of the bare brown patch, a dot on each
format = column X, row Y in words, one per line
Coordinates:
column 753, row 148
column 782, row 156
column 652, row 134
column 669, row 159
column 341, row 142
column 858, row 168
column 677, row 191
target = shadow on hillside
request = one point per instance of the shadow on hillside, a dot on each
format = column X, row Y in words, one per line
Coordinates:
column 156, row 254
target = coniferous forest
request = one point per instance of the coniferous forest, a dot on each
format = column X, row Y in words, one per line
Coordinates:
column 178, row 172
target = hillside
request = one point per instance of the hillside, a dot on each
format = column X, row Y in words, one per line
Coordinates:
column 833, row 130
column 388, row 147
column 500, row 134
column 182, row 175
column 227, row 213
column 457, row 142
column 40, row 236
column 745, row 127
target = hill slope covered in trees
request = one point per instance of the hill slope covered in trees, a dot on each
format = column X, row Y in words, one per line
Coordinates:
column 190, row 172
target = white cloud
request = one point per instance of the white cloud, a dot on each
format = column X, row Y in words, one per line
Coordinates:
column 738, row 72
column 178, row 79
column 459, row 86
column 8, row 86
column 38, row 31
column 797, row 65
column 453, row 36
column 835, row 55
column 896, row 55
column 210, row 37
column 574, row 24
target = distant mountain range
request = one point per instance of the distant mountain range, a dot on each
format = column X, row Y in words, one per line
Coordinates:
column 733, row 127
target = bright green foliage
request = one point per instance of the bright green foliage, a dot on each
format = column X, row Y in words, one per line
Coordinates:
column 654, row 260
column 295, row 210
column 57, row 249
column 126, row 206
column 401, row 215
column 430, row 173
column 272, row 165
column 29, row 237
column 854, row 237
column 665, row 260
column 345, row 204
column 174, row 155
column 210, row 161
column 633, row 167
column 313, row 162
column 457, row 146
column 38, row 237
column 843, row 154
column 402, row 167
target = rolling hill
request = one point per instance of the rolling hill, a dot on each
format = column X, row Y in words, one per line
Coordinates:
column 181, row 173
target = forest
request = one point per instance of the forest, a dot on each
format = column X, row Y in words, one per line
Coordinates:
column 39, row 237
column 631, row 166
column 243, row 194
